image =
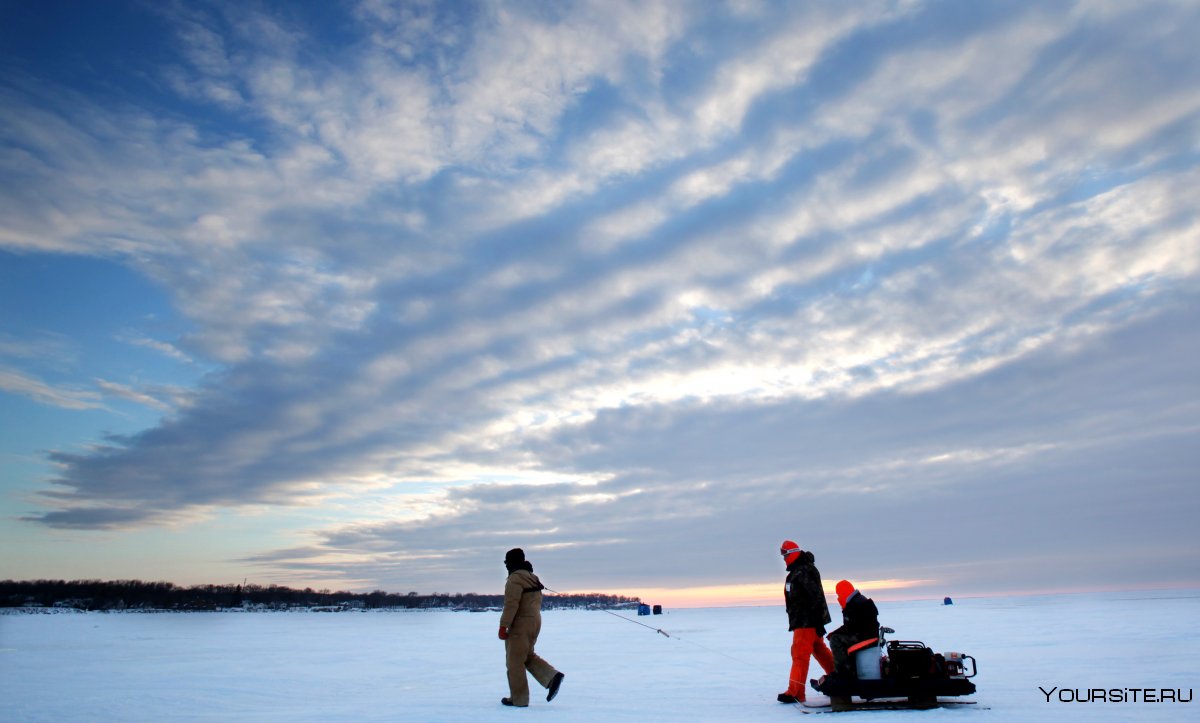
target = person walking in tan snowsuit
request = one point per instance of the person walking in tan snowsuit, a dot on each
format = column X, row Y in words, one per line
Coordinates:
column 520, row 623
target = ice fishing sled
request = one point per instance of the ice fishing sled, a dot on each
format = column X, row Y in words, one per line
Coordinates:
column 898, row 674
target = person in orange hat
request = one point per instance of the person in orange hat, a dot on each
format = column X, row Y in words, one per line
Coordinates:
column 808, row 613
column 860, row 621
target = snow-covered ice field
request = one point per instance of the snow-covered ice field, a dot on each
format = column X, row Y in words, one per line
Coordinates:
column 724, row 664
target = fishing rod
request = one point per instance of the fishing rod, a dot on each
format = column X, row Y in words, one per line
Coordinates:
column 665, row 634
column 660, row 631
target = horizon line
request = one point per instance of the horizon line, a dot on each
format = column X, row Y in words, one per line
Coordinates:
column 715, row 596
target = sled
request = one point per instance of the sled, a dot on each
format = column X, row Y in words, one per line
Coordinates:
column 898, row 674
column 898, row 704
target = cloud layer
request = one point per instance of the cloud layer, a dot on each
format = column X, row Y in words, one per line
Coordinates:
column 644, row 287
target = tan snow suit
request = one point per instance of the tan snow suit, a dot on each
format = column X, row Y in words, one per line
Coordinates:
column 522, row 616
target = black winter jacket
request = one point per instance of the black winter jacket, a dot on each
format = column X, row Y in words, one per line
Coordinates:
column 805, row 598
column 860, row 618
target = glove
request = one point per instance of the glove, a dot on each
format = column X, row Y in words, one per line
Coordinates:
column 503, row 633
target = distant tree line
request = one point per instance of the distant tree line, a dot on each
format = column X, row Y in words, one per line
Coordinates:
column 138, row 595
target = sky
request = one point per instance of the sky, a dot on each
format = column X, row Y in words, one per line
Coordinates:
column 359, row 295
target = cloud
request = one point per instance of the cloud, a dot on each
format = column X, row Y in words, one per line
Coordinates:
column 162, row 347
column 599, row 274
column 16, row 382
column 83, row 518
column 1035, row 454
column 130, row 394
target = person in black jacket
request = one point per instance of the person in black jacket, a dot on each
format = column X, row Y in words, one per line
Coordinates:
column 860, row 621
column 808, row 614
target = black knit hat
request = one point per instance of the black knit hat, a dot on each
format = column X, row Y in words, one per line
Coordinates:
column 514, row 556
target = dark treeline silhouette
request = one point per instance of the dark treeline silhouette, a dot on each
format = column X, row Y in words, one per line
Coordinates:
column 138, row 595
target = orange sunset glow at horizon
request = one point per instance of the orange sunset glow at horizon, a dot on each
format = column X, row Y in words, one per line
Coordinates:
column 747, row 594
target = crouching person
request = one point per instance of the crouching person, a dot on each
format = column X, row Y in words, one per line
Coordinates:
column 860, row 621
column 520, row 623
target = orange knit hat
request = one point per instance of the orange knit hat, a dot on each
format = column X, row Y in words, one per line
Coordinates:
column 844, row 591
column 790, row 551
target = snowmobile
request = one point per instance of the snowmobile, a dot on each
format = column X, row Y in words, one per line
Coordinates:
column 898, row 674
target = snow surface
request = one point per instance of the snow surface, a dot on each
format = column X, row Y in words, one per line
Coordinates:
column 724, row 664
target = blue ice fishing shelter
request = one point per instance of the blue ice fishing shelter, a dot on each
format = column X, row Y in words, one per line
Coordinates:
column 947, row 601
column 643, row 609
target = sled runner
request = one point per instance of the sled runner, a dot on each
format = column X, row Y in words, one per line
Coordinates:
column 883, row 705
column 898, row 674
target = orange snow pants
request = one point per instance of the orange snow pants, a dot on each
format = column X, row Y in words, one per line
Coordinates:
column 806, row 644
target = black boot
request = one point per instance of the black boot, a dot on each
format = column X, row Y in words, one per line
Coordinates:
column 785, row 698
column 554, row 684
